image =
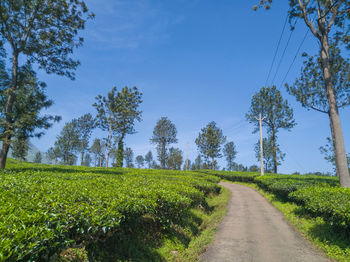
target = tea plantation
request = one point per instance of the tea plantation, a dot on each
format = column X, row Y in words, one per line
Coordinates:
column 46, row 209
column 71, row 213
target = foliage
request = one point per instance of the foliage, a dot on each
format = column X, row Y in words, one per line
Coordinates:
column 129, row 157
column 45, row 33
column 328, row 152
column 197, row 165
column 117, row 114
column 332, row 204
column 310, row 89
column 97, row 149
column 20, row 147
column 38, row 158
column 26, row 120
column 268, row 154
column 50, row 208
column 175, row 159
column 328, row 14
column 209, row 143
column 234, row 176
column 149, row 158
column 329, row 23
column 53, row 153
column 140, row 161
column 230, row 153
column 276, row 114
column 85, row 126
column 164, row 134
column 253, row 168
column 68, row 143
column 87, row 160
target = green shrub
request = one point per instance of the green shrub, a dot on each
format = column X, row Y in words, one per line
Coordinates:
column 45, row 209
column 330, row 203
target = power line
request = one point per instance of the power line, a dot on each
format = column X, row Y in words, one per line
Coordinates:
column 284, row 52
column 276, row 51
column 295, row 57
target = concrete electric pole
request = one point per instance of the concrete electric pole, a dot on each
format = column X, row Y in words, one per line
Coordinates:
column 261, row 146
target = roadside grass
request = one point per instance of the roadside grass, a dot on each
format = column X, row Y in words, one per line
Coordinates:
column 335, row 243
column 209, row 218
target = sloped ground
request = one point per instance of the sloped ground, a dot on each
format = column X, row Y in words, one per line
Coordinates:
column 253, row 230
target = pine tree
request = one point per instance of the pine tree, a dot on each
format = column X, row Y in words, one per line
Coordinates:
column 209, row 142
column 329, row 22
column 164, row 134
column 276, row 112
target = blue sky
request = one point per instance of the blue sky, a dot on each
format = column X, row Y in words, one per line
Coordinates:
column 195, row 62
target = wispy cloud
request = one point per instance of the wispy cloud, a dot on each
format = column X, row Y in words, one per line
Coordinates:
column 131, row 24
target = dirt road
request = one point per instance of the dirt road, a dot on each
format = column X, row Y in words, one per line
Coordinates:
column 253, row 230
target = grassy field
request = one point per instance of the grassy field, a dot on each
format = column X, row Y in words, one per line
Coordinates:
column 78, row 213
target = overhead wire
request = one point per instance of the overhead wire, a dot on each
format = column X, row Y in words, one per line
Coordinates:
column 276, row 51
column 293, row 61
column 284, row 52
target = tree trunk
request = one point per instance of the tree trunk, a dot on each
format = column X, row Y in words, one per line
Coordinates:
column 163, row 155
column 100, row 161
column 8, row 130
column 274, row 152
column 82, row 158
column 336, row 128
column 109, row 144
column 120, row 152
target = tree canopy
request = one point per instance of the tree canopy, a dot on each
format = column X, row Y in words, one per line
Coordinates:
column 209, row 142
column 276, row 113
column 164, row 134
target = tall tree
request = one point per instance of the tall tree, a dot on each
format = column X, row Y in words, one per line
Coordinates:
column 140, row 161
column 268, row 149
column 209, row 143
column 149, row 158
column 310, row 89
column 230, row 153
column 117, row 114
column 87, row 160
column 53, row 153
column 129, row 157
column 113, row 155
column 128, row 101
column 20, row 147
column 67, row 143
column 85, row 126
column 197, row 165
column 38, row 158
column 175, row 159
column 164, row 134
column 44, row 32
column 97, row 149
column 328, row 21
column 26, row 120
column 276, row 112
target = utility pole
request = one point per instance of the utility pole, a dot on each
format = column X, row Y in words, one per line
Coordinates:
column 261, row 146
column 187, row 157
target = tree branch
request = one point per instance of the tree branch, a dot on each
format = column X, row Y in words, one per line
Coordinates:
column 315, row 108
column 308, row 23
column 334, row 15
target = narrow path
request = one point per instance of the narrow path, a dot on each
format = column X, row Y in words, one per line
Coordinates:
column 254, row 230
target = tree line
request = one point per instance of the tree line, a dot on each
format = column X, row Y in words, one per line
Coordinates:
column 44, row 35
